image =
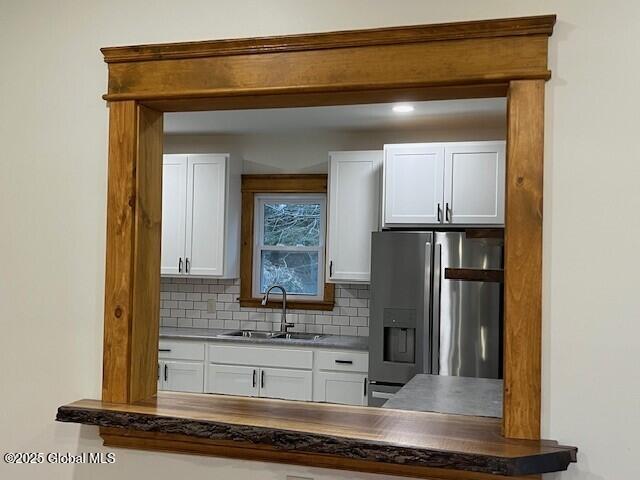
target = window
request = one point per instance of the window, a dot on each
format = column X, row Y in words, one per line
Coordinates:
column 283, row 241
column 289, row 238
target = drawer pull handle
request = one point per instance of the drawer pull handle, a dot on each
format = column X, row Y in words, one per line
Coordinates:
column 165, row 350
column 166, row 372
column 345, row 362
column 254, row 378
column 262, row 379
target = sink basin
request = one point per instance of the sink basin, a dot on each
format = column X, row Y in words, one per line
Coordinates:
column 296, row 336
column 248, row 333
column 278, row 335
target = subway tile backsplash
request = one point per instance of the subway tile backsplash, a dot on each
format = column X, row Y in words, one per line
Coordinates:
column 188, row 302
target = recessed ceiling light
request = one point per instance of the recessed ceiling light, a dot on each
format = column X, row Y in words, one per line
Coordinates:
column 403, row 108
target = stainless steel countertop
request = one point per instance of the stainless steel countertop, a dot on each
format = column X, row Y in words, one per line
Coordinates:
column 345, row 342
column 445, row 394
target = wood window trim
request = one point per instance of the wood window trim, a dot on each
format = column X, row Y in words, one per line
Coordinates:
column 253, row 185
column 479, row 59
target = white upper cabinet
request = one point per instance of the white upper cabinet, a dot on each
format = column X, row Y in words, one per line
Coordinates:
column 206, row 185
column 444, row 184
column 413, row 184
column 200, row 215
column 474, row 183
column 354, row 186
column 174, row 209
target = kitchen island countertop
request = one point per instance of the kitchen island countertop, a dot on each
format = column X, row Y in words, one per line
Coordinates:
column 448, row 394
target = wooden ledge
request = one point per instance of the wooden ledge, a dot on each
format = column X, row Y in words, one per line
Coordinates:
column 474, row 274
column 427, row 445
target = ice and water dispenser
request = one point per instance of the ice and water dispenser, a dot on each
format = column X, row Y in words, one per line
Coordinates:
column 399, row 335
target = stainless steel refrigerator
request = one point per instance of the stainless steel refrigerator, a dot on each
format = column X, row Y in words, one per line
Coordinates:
column 421, row 322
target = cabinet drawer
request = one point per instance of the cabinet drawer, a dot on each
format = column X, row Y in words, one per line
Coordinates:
column 181, row 350
column 264, row 357
column 343, row 361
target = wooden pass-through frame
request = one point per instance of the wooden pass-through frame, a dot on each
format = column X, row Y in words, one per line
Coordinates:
column 447, row 61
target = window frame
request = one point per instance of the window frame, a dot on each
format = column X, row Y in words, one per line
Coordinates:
column 260, row 200
column 278, row 186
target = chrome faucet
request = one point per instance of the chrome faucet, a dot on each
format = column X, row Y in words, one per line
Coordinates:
column 283, row 322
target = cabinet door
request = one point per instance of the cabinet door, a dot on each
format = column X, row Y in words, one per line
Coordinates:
column 174, row 198
column 345, row 388
column 285, row 383
column 206, row 184
column 413, row 184
column 475, row 183
column 354, row 186
column 183, row 376
column 232, row 380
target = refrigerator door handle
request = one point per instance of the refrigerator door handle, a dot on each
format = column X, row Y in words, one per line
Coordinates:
column 426, row 360
column 435, row 329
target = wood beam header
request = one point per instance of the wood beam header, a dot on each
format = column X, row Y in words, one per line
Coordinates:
column 452, row 55
column 505, row 27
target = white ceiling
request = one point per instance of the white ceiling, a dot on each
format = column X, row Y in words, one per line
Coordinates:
column 483, row 112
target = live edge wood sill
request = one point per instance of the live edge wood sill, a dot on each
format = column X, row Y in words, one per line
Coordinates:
column 417, row 444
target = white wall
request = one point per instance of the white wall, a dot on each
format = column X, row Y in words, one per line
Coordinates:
column 53, row 128
column 306, row 151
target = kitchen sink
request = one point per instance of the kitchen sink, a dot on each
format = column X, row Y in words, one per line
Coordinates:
column 248, row 333
column 296, row 336
column 278, row 335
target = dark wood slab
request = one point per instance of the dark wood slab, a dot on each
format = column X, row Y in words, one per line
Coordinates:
column 474, row 274
column 419, row 439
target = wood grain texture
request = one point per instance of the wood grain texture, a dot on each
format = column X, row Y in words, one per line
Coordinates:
column 120, row 252
column 132, row 284
column 474, row 59
column 252, row 185
column 535, row 25
column 494, row 60
column 368, row 434
column 484, row 232
column 474, row 274
column 167, row 442
column 523, row 259
column 351, row 97
column 146, row 272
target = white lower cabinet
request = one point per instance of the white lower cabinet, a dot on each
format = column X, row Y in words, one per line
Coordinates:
column 286, row 383
column 232, row 380
column 184, row 376
column 290, row 373
column 180, row 376
column 260, row 371
column 253, row 381
column 341, row 377
column 338, row 387
column 181, row 366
